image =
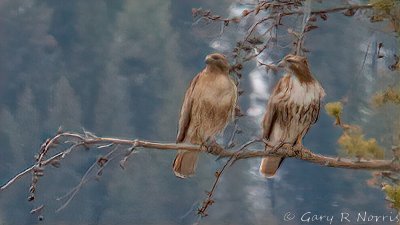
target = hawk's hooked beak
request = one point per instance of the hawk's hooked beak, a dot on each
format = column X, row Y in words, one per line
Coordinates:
column 284, row 62
column 208, row 59
column 281, row 64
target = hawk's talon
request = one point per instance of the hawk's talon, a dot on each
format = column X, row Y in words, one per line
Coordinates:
column 298, row 149
column 211, row 145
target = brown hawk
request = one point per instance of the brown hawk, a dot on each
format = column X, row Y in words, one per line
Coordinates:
column 208, row 106
column 292, row 108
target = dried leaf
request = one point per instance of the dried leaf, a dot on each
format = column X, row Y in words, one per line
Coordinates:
column 239, row 66
column 38, row 169
column 310, row 27
column 101, row 161
column 226, row 23
column 323, row 16
column 245, row 12
column 195, row 12
column 31, row 198
column 350, row 12
column 313, row 18
column 396, row 64
column 238, row 112
column 380, row 45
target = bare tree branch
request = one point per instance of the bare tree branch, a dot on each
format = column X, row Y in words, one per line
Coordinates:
column 79, row 140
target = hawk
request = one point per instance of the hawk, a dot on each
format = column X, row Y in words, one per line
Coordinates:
column 209, row 104
column 291, row 110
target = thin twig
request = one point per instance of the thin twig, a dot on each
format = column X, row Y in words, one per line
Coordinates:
column 232, row 159
column 72, row 193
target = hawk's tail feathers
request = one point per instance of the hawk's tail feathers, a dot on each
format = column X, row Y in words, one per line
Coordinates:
column 269, row 165
column 185, row 163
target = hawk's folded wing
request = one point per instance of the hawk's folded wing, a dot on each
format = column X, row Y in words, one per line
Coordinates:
column 186, row 110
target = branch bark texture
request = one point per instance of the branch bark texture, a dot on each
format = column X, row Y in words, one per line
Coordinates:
column 91, row 141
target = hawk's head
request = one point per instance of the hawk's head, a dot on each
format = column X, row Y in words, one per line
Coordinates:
column 297, row 65
column 218, row 61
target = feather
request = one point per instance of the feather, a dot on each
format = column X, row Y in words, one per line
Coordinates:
column 208, row 106
column 184, row 118
column 291, row 110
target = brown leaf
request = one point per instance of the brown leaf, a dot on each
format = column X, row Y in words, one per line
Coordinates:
column 239, row 66
column 310, row 27
column 323, row 16
column 101, row 161
column 226, row 23
column 238, row 112
column 31, row 198
column 380, row 45
column 195, row 12
column 350, row 12
column 313, row 18
column 396, row 64
column 245, row 12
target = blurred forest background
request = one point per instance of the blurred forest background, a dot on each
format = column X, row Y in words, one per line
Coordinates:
column 120, row 68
